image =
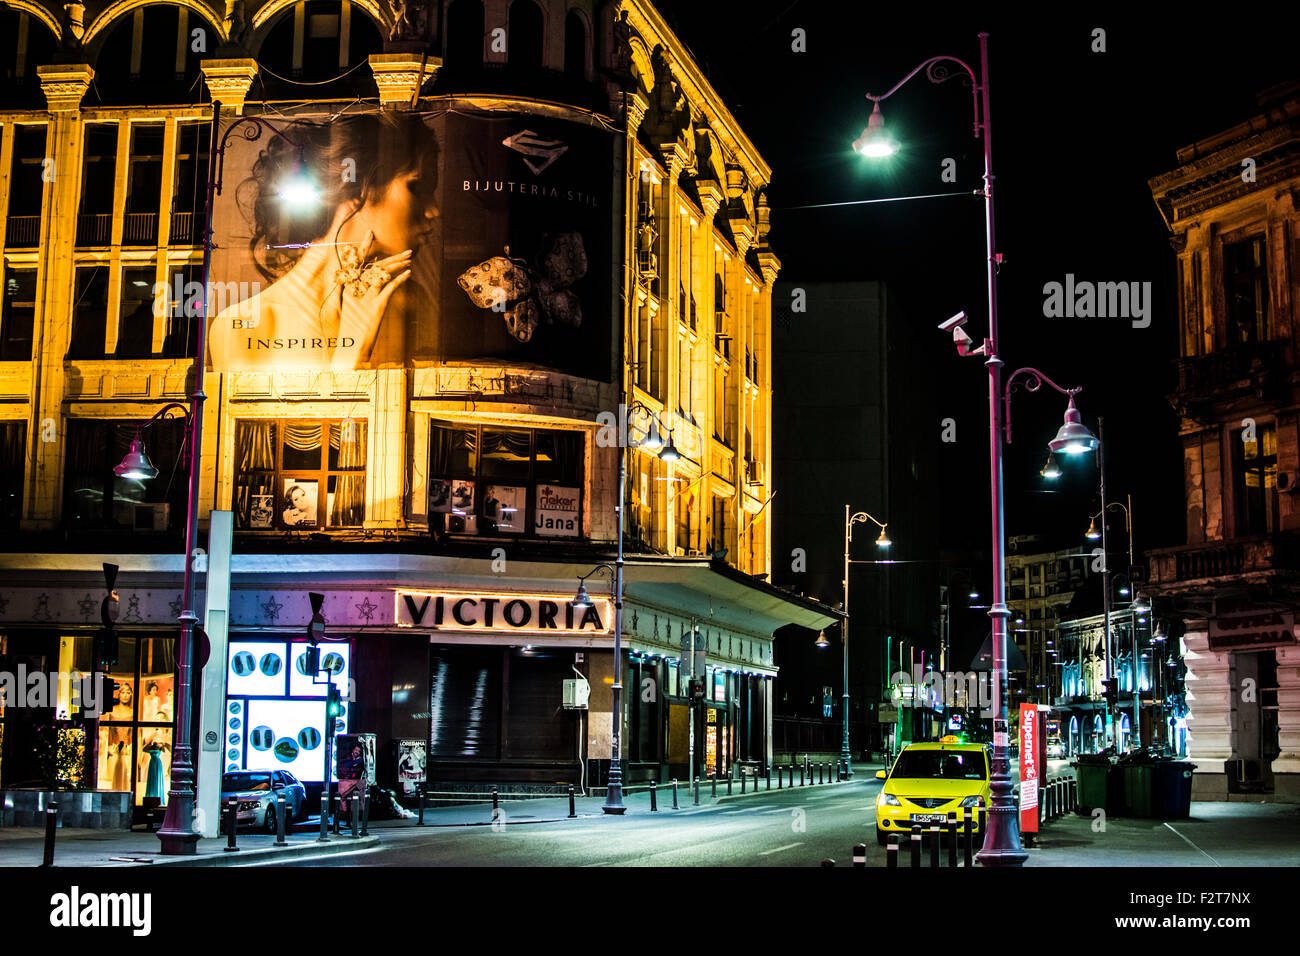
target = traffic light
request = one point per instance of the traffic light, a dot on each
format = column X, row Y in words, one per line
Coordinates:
column 697, row 688
column 311, row 660
column 333, row 703
column 1110, row 690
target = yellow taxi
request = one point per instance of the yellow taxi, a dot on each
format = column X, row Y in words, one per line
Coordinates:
column 927, row 781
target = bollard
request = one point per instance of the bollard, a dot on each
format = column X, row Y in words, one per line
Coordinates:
column 952, row 838
column 801, row 770
column 780, row 774
column 697, row 791
column 51, row 822
column 495, row 805
column 983, row 823
column 821, row 773
column 969, row 838
column 365, row 812
column 828, row 862
column 421, row 789
column 354, row 804
column 232, row 806
column 743, row 783
column 1074, row 793
column 336, row 808
column 324, row 818
column 654, row 797
column 715, row 786
column 675, row 807
column 935, row 832
column 279, row 820
column 916, row 844
column 859, row 854
column 891, row 851
column 730, row 778
column 769, row 778
column 572, row 810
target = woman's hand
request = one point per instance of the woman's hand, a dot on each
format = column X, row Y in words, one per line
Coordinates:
column 359, row 316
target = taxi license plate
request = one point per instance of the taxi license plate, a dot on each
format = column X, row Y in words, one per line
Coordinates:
column 929, row 818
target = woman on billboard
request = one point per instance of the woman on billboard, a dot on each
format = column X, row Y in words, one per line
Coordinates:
column 336, row 256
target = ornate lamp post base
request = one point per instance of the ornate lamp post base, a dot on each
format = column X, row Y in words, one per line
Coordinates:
column 176, row 838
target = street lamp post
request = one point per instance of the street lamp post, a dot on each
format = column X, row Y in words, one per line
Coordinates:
column 1002, row 840
column 846, row 754
column 1093, row 534
column 177, row 834
column 614, row 789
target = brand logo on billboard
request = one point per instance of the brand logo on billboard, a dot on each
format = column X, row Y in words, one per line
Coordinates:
column 538, row 153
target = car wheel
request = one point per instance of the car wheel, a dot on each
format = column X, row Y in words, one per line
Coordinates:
column 268, row 824
column 882, row 837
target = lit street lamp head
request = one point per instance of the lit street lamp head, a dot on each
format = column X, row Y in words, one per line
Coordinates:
column 1074, row 438
column 582, row 600
column 1092, row 534
column 875, row 142
column 1051, row 471
column 883, row 541
column 136, row 465
column 821, row 640
column 669, row 451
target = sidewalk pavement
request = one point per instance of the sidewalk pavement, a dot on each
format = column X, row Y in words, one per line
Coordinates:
column 1215, row 834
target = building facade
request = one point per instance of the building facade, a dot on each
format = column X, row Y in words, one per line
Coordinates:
column 1231, row 208
column 454, row 244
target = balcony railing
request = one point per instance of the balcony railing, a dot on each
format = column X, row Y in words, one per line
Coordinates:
column 1219, row 370
column 184, row 231
column 1226, row 558
column 23, row 232
column 94, row 228
column 140, row 229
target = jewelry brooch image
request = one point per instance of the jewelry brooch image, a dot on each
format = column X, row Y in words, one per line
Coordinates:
column 359, row 277
column 525, row 295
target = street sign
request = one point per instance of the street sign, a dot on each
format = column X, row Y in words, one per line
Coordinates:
column 1030, row 732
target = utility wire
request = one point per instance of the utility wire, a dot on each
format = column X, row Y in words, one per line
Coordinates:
column 863, row 202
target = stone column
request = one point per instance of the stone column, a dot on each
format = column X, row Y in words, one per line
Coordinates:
column 1209, row 718
column 1286, row 767
column 64, row 85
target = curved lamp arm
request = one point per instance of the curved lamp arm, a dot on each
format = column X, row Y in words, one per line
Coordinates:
column 250, row 127
column 864, row 517
column 1036, row 380
column 937, row 72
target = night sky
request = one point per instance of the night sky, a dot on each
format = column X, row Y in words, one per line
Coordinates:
column 1076, row 136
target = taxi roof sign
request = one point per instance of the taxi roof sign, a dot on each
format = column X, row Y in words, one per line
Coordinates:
column 950, row 739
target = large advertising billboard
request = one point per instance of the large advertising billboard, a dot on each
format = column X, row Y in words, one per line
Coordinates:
column 377, row 240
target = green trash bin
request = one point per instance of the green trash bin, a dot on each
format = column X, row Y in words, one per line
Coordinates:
column 1092, row 771
column 1139, row 787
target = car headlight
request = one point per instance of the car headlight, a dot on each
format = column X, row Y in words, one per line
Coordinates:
column 973, row 802
column 889, row 800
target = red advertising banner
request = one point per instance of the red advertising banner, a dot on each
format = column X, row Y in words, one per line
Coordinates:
column 1030, row 732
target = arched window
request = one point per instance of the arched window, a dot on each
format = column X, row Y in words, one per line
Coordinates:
column 524, row 37
column 25, row 42
column 465, row 32
column 575, row 45
column 148, row 55
column 317, row 41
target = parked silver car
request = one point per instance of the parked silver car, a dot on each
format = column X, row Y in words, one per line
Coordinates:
column 256, row 789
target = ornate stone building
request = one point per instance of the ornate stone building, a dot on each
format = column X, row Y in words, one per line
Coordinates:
column 1232, row 206
column 580, row 225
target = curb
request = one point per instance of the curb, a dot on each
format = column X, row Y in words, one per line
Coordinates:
column 810, row 788
column 336, row 845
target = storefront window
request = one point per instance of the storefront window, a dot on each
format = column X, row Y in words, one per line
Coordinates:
column 505, row 481
column 301, row 476
column 95, row 498
column 135, row 735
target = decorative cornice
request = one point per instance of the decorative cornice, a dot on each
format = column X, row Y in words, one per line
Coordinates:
column 64, row 84
column 635, row 106
column 710, row 193
column 769, row 264
column 399, row 76
column 229, row 81
column 675, row 156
